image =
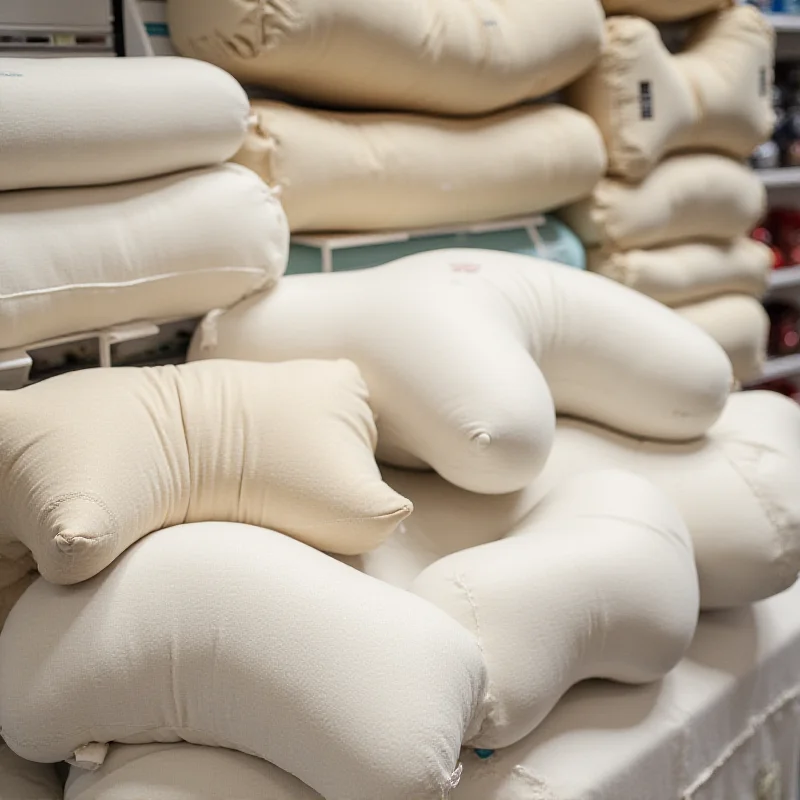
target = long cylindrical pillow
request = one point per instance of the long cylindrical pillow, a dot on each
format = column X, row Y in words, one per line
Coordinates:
column 231, row 636
column 86, row 121
column 736, row 489
column 689, row 272
column 466, row 352
column 91, row 461
column 665, row 10
column 75, row 260
column 685, row 197
column 355, row 171
column 451, row 58
column 179, row 771
column 598, row 582
column 740, row 325
column 25, row 780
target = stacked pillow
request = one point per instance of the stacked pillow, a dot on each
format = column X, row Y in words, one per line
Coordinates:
column 672, row 216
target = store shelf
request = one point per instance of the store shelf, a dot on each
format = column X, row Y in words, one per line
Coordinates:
column 776, row 368
column 786, row 278
column 785, row 23
column 780, row 177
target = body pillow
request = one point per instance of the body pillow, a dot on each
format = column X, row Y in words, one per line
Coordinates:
column 25, row 780
column 715, row 95
column 359, row 689
column 683, row 198
column 664, row 10
column 85, row 121
column 736, row 489
column 91, row 461
column 685, row 273
column 445, row 57
column 598, row 582
column 466, row 353
column 350, row 171
column 740, row 325
column 74, row 260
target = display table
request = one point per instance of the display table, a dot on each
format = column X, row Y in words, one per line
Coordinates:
column 724, row 725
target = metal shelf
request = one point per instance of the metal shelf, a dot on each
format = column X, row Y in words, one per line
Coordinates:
column 782, row 177
column 776, row 368
column 785, row 23
column 785, row 278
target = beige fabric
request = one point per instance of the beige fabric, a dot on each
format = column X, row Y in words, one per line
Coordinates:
column 741, row 326
column 685, row 273
column 349, row 171
column 24, row 780
column 716, row 95
column 685, row 197
column 83, row 121
column 664, row 10
column 229, row 635
column 445, row 57
column 74, row 260
column 736, row 489
column 466, row 353
column 598, row 582
column 91, row 461
column 183, row 772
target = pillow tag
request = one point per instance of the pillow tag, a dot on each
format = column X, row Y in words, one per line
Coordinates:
column 646, row 99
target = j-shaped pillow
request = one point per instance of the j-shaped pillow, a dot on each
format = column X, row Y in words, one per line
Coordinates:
column 467, row 354
column 740, row 325
column 91, row 461
column 85, row 121
column 355, row 171
column 664, row 10
column 75, row 260
column 231, row 636
column 442, row 57
column 181, row 771
column 25, row 780
column 716, row 95
column 598, row 582
column 685, row 273
column 700, row 196
column 736, row 489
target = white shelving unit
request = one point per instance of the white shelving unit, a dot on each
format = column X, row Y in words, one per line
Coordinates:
column 780, row 178
column 785, row 367
column 786, row 278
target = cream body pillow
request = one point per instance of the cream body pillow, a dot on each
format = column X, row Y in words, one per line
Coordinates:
column 24, row 780
column 75, row 260
column 443, row 57
column 740, row 325
column 250, row 640
column 716, row 95
column 183, row 772
column 84, row 121
column 351, row 171
column 466, row 353
column 664, row 10
column 736, row 489
column 599, row 582
column 91, row 461
column 685, row 273
column 685, row 197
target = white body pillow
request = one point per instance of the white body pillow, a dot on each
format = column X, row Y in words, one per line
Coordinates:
column 75, row 260
column 84, row 121
column 685, row 197
column 25, row 780
column 740, row 325
column 736, row 489
column 598, row 582
column 183, row 772
column 350, row 171
column 664, row 10
column 245, row 639
column 91, row 461
column 689, row 272
column 715, row 95
column 466, row 352
column 443, row 57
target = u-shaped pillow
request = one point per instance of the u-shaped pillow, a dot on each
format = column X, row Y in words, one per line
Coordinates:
column 716, row 95
column 25, row 780
column 700, row 196
column 466, row 352
column 665, row 10
column 247, row 639
column 442, row 57
column 598, row 582
column 342, row 171
column 91, row 461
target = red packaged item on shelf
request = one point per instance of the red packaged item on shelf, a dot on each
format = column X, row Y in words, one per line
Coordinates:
column 784, row 223
column 784, row 334
column 764, row 235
